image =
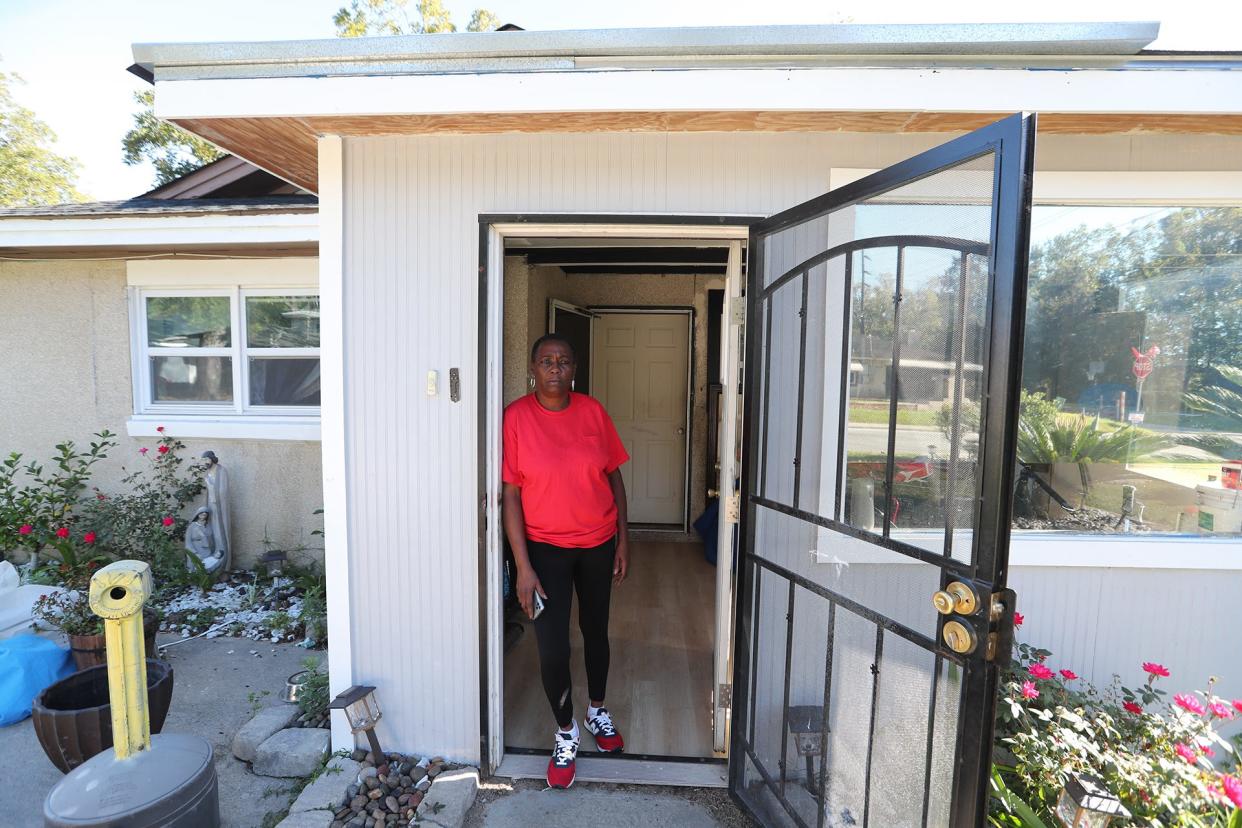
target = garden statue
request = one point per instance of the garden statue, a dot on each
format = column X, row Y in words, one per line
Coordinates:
column 217, row 481
column 200, row 540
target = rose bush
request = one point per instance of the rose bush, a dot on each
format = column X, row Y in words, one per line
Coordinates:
column 1163, row 758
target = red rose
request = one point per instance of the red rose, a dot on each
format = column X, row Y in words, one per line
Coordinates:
column 1018, row 619
column 168, row 521
column 1039, row 671
column 160, row 429
column 62, row 532
column 1133, row 708
column 1154, row 669
column 1068, row 675
column 89, row 537
column 25, row 529
column 163, row 449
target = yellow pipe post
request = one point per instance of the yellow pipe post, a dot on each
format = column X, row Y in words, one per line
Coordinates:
column 117, row 594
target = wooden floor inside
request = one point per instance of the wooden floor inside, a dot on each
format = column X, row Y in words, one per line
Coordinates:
column 660, row 680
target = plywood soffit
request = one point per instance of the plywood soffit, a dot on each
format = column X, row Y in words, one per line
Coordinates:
column 287, row 147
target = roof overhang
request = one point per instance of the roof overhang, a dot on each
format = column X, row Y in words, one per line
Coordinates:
column 270, row 102
column 126, row 236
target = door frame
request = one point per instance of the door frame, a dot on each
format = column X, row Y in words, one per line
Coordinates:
column 494, row 228
column 678, row 310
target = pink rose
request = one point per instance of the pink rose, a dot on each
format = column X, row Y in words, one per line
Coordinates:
column 1232, row 787
column 1136, row 709
column 1189, row 703
column 1018, row 619
column 143, row 450
column 1029, row 691
column 1068, row 675
column 168, row 521
column 1186, row 752
column 1039, row 671
column 1220, row 710
column 25, row 529
column 1154, row 669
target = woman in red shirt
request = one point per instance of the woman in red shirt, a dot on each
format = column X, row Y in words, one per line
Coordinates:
column 564, row 515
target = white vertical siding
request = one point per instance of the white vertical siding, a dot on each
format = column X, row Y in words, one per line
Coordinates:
column 410, row 299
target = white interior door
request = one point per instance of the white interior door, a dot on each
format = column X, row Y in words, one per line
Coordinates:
column 641, row 374
column 730, row 496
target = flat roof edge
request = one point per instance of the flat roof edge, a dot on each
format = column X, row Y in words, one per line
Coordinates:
column 1098, row 38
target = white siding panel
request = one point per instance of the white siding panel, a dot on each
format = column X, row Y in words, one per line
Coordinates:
column 410, row 305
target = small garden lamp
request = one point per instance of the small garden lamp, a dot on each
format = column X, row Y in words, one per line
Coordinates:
column 363, row 711
column 1086, row 803
column 274, row 562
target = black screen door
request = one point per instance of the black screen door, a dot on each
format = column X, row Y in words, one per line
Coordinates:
column 883, row 340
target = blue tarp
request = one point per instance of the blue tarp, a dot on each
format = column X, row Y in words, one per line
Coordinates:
column 28, row 663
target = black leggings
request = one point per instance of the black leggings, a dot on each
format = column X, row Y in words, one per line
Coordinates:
column 560, row 571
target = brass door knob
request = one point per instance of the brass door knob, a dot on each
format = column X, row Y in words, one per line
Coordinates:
column 956, row 597
column 959, row 637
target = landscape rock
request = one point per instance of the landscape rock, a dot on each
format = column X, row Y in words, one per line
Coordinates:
column 306, row 819
column 326, row 791
column 295, row 751
column 450, row 798
column 266, row 723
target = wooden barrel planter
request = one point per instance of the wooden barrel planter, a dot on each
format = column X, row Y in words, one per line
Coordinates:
column 89, row 650
column 73, row 718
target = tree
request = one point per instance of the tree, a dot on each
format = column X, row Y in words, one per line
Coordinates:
column 368, row 18
column 172, row 150
column 30, row 172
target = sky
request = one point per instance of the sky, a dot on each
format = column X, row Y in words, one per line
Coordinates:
column 72, row 54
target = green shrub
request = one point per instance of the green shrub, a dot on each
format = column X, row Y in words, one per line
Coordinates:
column 37, row 501
column 1164, row 759
column 313, row 699
column 143, row 522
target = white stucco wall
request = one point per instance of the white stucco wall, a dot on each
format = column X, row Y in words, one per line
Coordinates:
column 410, row 273
column 65, row 371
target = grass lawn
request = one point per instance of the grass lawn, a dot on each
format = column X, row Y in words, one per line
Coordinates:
column 879, row 416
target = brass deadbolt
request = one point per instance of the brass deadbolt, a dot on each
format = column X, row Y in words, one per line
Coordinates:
column 959, row 637
column 958, row 598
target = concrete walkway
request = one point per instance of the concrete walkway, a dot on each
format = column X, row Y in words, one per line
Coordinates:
column 505, row 803
column 212, row 679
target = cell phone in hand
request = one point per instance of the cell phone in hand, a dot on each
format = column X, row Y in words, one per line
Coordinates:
column 537, row 600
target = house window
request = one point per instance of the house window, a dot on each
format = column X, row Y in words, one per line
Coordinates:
column 1132, row 371
column 228, row 351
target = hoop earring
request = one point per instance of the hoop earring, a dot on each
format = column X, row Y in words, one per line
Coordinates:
column 530, row 383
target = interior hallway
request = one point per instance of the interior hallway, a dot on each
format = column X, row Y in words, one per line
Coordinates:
column 660, row 679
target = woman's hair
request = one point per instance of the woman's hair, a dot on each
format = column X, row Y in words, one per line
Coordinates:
column 552, row 337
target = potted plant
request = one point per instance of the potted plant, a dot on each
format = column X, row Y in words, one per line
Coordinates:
column 69, row 612
column 73, row 717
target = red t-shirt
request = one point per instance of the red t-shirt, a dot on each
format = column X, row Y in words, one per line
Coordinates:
column 561, row 461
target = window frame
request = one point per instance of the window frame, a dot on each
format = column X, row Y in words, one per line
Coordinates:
column 237, row 279
column 1120, row 188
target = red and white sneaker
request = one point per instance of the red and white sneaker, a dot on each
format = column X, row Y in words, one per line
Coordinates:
column 561, row 768
column 607, row 738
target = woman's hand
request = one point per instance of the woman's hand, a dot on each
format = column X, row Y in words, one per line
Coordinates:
column 621, row 561
column 527, row 583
